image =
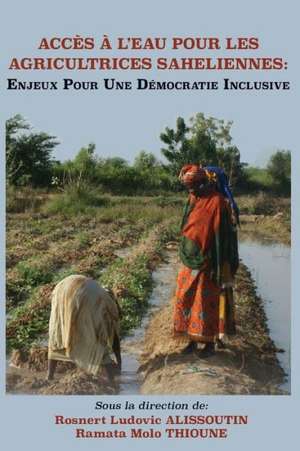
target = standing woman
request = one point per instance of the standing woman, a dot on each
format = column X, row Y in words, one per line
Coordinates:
column 208, row 252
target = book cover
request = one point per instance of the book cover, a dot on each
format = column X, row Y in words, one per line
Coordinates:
column 149, row 225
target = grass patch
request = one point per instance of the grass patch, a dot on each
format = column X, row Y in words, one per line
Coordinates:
column 28, row 321
column 34, row 273
column 263, row 204
column 19, row 200
column 76, row 200
column 24, row 278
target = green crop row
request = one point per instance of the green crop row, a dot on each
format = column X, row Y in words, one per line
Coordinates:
column 130, row 279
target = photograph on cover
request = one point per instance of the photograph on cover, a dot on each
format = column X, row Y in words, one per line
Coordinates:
column 167, row 273
column 150, row 225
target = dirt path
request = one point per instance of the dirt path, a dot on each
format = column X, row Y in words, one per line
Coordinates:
column 69, row 381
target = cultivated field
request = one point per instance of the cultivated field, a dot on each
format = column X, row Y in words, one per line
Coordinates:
column 52, row 236
column 43, row 247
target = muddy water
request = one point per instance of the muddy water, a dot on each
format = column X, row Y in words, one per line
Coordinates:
column 164, row 279
column 269, row 264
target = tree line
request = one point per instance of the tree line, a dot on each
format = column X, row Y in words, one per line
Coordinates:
column 205, row 140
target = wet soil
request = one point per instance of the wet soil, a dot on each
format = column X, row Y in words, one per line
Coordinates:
column 154, row 363
column 266, row 227
column 247, row 365
column 27, row 374
column 164, row 278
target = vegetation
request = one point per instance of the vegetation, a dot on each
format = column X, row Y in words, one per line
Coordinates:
column 206, row 140
column 43, row 248
column 73, row 217
column 28, row 155
column 130, row 279
column 279, row 169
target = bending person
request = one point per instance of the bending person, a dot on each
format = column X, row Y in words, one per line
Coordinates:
column 84, row 326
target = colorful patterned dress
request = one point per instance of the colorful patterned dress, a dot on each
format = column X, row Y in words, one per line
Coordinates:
column 208, row 251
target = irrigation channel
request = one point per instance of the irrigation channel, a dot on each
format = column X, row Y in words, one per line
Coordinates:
column 164, row 279
column 269, row 264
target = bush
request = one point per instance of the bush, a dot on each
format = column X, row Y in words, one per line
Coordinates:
column 34, row 273
column 279, row 169
column 257, row 179
column 77, row 198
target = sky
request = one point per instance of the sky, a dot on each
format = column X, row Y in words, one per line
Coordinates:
column 124, row 123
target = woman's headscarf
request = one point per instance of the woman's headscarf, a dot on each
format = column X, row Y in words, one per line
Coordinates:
column 192, row 174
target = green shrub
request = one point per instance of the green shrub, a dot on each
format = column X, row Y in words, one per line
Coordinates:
column 279, row 169
column 77, row 198
column 34, row 274
column 257, row 178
